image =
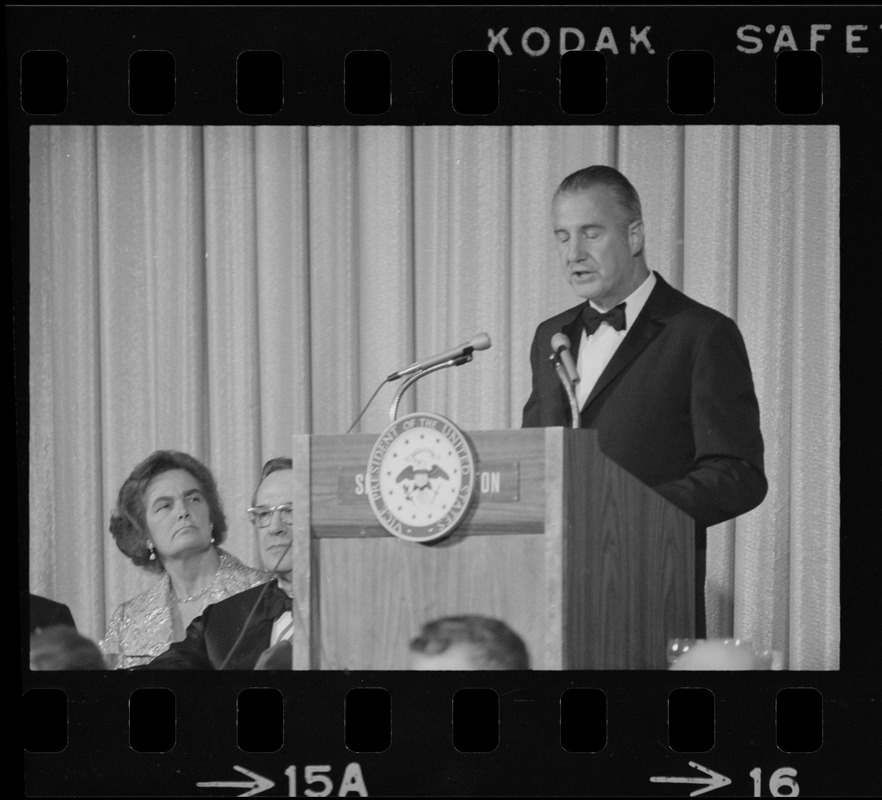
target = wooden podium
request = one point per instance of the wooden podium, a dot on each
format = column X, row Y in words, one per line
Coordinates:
column 592, row 568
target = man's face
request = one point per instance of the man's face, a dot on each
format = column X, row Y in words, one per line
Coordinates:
column 275, row 490
column 456, row 657
column 597, row 246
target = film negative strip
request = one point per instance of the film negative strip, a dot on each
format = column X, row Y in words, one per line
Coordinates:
column 337, row 729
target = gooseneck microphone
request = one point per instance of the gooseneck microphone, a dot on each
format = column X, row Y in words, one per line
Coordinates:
column 479, row 342
column 560, row 343
column 419, row 369
column 566, row 372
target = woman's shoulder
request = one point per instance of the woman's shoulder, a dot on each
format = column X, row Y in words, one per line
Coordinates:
column 144, row 602
column 140, row 627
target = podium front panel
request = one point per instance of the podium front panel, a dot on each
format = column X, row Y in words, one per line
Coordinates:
column 376, row 593
column 591, row 568
column 340, row 505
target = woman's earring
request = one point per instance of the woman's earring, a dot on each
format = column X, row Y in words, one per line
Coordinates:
column 152, row 550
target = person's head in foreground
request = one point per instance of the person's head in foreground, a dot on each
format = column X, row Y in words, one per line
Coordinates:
column 468, row 643
column 716, row 654
column 61, row 647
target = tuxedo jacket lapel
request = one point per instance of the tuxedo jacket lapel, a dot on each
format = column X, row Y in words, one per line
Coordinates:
column 573, row 329
column 645, row 328
column 226, row 627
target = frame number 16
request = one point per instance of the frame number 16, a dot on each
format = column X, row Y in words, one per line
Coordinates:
column 781, row 784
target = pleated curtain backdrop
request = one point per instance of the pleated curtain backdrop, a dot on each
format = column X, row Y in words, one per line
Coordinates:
column 217, row 290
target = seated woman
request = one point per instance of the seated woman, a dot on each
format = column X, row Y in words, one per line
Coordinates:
column 169, row 520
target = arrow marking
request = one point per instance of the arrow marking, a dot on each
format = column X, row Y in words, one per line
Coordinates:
column 256, row 785
column 714, row 780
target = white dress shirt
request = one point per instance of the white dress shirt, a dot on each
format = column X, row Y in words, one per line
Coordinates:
column 283, row 628
column 596, row 351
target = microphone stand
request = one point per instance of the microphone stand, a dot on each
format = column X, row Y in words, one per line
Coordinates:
column 568, row 388
column 454, row 362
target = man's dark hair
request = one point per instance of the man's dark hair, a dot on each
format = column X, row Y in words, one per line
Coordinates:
column 128, row 523
column 492, row 643
column 271, row 466
column 612, row 179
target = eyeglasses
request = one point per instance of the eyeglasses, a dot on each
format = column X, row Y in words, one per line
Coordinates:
column 263, row 515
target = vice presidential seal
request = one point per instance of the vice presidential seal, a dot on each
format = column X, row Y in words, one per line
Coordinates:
column 421, row 477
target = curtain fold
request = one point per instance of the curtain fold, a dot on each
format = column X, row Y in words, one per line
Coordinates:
column 233, row 358
column 710, row 275
column 216, row 290
column 476, row 277
column 652, row 158
column 67, row 458
column 283, row 317
column 766, row 277
column 386, row 293
column 815, row 411
column 334, row 276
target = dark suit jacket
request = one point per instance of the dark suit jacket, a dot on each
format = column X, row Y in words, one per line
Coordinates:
column 44, row 613
column 211, row 636
column 675, row 406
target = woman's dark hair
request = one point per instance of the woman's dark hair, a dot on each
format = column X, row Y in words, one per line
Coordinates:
column 128, row 523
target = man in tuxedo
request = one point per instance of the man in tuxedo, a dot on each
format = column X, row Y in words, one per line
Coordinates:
column 46, row 613
column 664, row 380
column 252, row 629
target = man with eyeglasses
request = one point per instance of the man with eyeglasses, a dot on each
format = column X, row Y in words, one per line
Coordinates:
column 252, row 629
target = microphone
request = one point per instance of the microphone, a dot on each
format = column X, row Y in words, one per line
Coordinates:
column 560, row 343
column 479, row 342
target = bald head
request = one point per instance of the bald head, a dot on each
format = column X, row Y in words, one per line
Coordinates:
column 716, row 654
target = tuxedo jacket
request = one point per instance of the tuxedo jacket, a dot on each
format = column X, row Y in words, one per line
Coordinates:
column 211, row 636
column 45, row 613
column 675, row 406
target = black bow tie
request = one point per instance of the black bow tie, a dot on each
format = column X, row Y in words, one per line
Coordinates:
column 277, row 602
column 591, row 318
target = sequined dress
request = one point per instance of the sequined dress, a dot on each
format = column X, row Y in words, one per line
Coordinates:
column 141, row 628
